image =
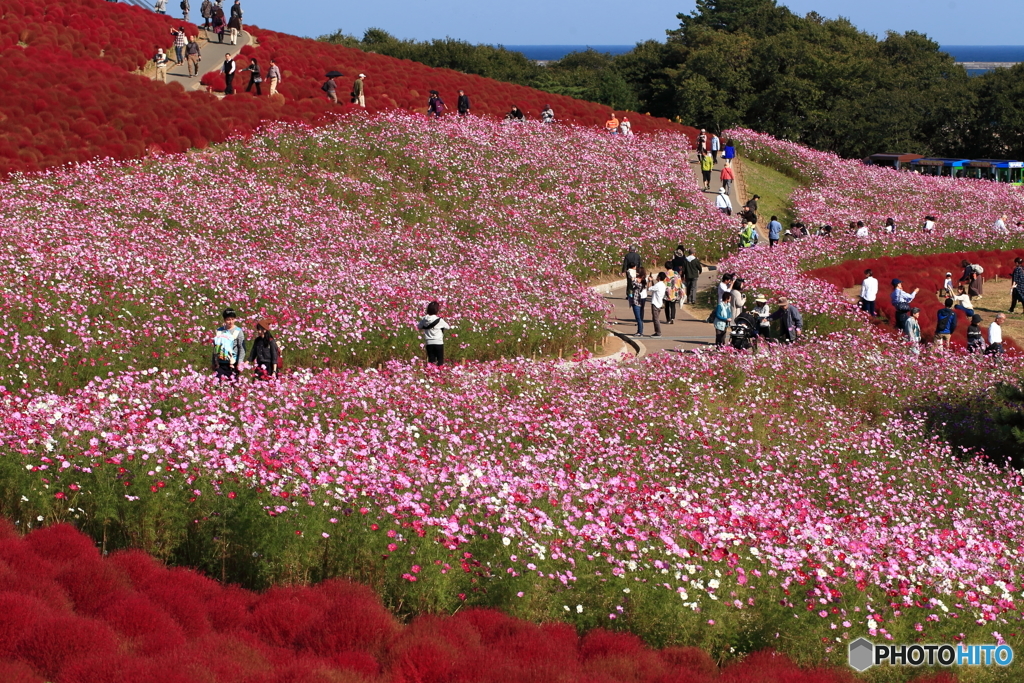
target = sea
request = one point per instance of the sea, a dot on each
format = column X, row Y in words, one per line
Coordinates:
column 962, row 53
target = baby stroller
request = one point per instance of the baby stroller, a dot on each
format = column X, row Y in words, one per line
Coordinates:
column 744, row 332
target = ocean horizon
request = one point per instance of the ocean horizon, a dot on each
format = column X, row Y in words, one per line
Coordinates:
column 962, row 53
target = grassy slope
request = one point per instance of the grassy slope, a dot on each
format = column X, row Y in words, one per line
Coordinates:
column 774, row 187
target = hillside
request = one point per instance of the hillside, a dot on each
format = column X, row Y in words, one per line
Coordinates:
column 74, row 90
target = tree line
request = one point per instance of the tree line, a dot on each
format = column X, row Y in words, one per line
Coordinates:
column 754, row 63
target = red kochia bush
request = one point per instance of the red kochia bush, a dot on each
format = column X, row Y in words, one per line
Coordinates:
column 145, row 623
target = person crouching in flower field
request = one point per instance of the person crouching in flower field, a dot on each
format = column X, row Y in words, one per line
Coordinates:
column 228, row 347
column 265, row 354
column 433, row 327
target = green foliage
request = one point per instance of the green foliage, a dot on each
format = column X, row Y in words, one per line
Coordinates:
column 993, row 420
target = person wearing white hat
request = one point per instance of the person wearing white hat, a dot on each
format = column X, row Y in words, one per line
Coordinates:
column 723, row 203
column 358, row 94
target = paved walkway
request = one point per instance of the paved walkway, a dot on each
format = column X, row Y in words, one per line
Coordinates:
column 212, row 60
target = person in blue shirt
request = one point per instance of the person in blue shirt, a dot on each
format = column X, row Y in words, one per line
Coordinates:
column 945, row 325
column 774, row 231
column 901, row 302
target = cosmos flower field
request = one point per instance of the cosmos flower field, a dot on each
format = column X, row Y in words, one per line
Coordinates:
column 792, row 500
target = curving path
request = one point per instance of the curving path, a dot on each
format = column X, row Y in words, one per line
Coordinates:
column 212, row 58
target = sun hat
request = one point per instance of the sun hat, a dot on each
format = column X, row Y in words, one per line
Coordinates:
column 759, row 299
column 362, row 75
column 896, row 281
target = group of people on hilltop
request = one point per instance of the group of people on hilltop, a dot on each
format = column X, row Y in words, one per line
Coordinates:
column 357, row 95
column 616, row 126
column 187, row 48
column 956, row 296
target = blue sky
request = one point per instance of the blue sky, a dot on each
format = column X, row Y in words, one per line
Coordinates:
column 616, row 22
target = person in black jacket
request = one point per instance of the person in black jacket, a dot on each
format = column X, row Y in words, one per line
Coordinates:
column 679, row 260
column 631, row 260
column 463, row 104
column 265, row 355
column 691, row 271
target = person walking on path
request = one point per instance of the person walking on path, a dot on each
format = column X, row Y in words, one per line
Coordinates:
column 973, row 279
column 160, row 60
column 160, row 6
column 217, row 22
column 1017, row 293
column 679, row 260
column 729, row 153
column 228, row 347
column 206, row 12
column 612, row 124
column 869, row 293
column 945, row 325
column 691, row 273
column 331, row 89
column 255, row 79
column 359, row 92
column 179, row 44
column 791, row 323
column 236, row 15
column 912, row 329
column 995, row 336
column 637, row 295
column 727, row 177
column 716, row 146
column 901, row 302
column 722, row 201
column 657, row 295
column 463, row 103
column 702, row 142
column 193, row 56
column 435, row 105
column 273, row 77
column 185, row 9
column 706, row 165
column 548, row 115
column 674, row 292
column 774, row 231
column 433, row 327
column 631, row 261
column 228, row 69
column 975, row 342
column 721, row 318
column 265, row 355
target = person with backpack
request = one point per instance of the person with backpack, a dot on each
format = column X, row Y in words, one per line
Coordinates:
column 706, row 166
column 1017, row 292
column 945, row 325
column 721, row 317
column 193, row 56
column 691, row 273
column 228, row 69
column 433, row 327
column 463, row 103
column 206, row 12
column 435, row 105
column 901, row 302
column 255, row 79
column 228, row 347
column 975, row 342
column 265, row 355
column 217, row 22
column 869, row 293
column 359, row 92
column 791, row 323
column 972, row 278
column 674, row 292
column 185, row 9
column 331, row 89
